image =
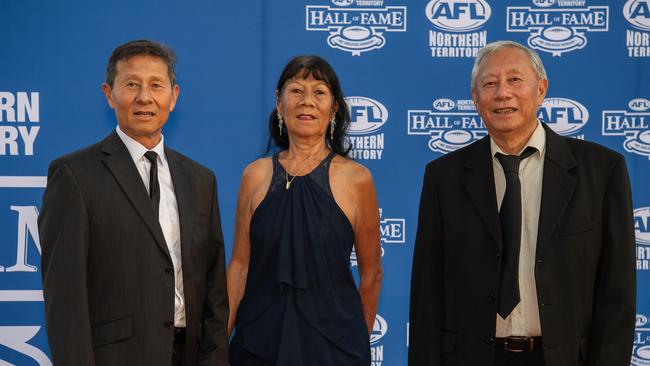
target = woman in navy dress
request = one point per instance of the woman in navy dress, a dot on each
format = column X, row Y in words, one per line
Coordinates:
column 293, row 300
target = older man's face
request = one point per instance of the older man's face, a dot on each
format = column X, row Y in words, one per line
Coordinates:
column 508, row 93
column 142, row 97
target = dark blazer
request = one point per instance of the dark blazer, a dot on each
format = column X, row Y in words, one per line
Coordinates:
column 585, row 258
column 108, row 279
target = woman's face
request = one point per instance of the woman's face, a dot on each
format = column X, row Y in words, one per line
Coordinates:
column 306, row 105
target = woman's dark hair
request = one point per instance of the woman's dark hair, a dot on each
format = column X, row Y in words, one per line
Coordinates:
column 319, row 69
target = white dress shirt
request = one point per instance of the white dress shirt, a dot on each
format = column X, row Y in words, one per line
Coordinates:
column 524, row 319
column 167, row 215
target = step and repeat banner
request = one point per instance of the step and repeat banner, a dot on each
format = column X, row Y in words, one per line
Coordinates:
column 404, row 65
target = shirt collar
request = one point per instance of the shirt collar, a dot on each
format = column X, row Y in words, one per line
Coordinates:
column 537, row 140
column 136, row 150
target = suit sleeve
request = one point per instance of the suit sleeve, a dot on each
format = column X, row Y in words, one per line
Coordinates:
column 213, row 349
column 64, row 235
column 426, row 305
column 614, row 315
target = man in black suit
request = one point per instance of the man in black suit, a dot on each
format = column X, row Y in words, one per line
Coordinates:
column 132, row 250
column 525, row 245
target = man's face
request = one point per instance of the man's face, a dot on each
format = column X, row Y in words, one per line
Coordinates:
column 508, row 92
column 142, row 97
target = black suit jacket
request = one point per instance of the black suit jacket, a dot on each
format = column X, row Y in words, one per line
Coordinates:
column 108, row 278
column 585, row 259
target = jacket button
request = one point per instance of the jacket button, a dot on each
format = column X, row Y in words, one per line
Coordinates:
column 169, row 270
column 492, row 298
column 489, row 340
column 498, row 255
column 169, row 324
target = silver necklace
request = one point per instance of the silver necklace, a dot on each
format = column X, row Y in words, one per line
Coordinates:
column 286, row 174
column 289, row 181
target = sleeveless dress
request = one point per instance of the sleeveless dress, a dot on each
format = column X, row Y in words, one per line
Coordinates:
column 301, row 305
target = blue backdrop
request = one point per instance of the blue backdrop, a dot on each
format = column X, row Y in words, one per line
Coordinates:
column 405, row 66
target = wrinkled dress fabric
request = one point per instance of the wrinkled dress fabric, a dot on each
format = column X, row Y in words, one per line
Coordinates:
column 301, row 305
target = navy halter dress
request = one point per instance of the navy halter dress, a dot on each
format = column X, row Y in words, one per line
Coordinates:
column 301, row 305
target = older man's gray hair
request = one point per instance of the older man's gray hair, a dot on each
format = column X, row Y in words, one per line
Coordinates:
column 534, row 58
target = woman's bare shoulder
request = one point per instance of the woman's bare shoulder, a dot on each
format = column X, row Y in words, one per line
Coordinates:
column 258, row 167
column 257, row 173
column 350, row 170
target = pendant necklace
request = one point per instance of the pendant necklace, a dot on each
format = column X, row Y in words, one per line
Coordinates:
column 289, row 181
column 286, row 174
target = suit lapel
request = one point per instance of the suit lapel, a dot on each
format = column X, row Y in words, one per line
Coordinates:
column 557, row 187
column 479, row 183
column 121, row 165
column 182, row 189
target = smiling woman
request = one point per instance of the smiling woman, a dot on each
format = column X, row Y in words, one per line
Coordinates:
column 307, row 106
column 299, row 69
column 293, row 300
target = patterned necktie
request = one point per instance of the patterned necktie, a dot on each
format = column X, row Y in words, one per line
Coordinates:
column 510, row 218
column 154, row 186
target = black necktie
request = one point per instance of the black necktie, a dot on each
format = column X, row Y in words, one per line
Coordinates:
column 154, row 187
column 510, row 217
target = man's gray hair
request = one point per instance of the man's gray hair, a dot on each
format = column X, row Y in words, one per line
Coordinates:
column 534, row 58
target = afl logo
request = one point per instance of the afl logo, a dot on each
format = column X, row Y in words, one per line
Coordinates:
column 544, row 3
column 378, row 330
column 366, row 115
column 444, row 104
column 342, row 2
column 458, row 15
column 637, row 12
column 564, row 116
column 639, row 104
column 641, row 225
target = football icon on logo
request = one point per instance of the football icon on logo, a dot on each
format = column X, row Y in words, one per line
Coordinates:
column 457, row 137
column 557, row 33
